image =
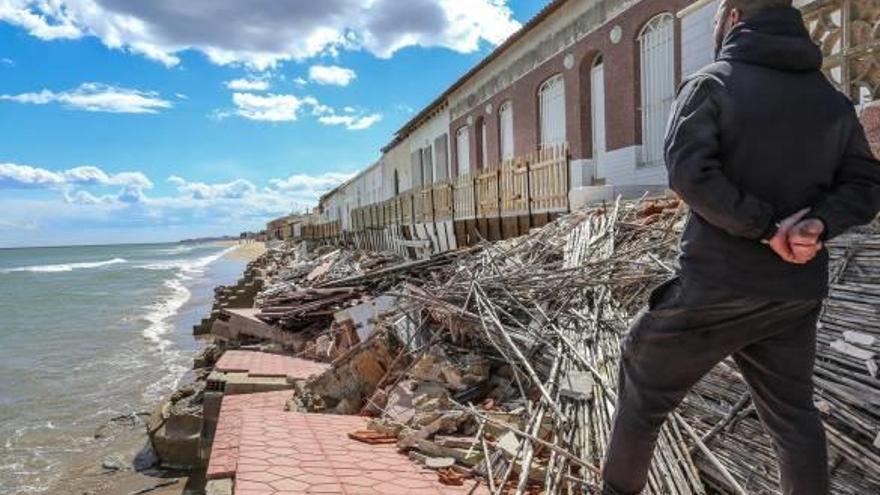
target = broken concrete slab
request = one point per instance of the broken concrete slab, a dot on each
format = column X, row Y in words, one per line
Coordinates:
column 263, row 364
column 237, row 324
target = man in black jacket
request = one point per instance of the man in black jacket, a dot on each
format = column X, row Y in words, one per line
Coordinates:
column 772, row 161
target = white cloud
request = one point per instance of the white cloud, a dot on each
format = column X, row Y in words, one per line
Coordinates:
column 268, row 108
column 287, row 108
column 299, row 81
column 266, row 31
column 331, row 75
column 7, row 61
column 351, row 122
column 317, row 184
column 15, row 176
column 83, row 207
column 245, row 84
column 236, row 189
column 96, row 97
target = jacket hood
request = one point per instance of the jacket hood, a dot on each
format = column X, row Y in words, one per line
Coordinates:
column 775, row 38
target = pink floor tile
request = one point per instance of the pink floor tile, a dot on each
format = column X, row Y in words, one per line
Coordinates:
column 266, row 364
column 318, row 457
column 224, row 452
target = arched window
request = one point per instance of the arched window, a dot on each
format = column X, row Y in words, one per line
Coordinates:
column 657, row 50
column 551, row 97
column 463, row 150
column 505, row 131
column 597, row 103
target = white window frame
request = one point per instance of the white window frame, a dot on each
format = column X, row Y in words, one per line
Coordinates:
column 657, row 56
column 551, row 104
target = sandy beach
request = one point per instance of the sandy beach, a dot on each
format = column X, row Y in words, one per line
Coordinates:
column 244, row 251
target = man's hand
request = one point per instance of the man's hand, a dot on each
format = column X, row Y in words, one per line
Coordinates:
column 779, row 243
column 804, row 239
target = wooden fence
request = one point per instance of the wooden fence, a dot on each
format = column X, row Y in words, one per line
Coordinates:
column 487, row 192
column 535, row 183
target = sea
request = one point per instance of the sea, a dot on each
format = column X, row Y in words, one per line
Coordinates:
column 89, row 333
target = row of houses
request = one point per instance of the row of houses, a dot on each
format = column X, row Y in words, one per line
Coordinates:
column 571, row 109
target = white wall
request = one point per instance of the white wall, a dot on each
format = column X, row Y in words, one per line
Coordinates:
column 425, row 135
column 697, row 39
column 397, row 158
column 621, row 167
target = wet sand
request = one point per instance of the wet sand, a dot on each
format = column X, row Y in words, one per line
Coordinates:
column 127, row 447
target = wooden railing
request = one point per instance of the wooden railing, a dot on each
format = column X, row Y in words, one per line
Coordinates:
column 443, row 206
column 463, row 198
column 322, row 230
column 406, row 208
column 515, row 187
column 424, row 204
column 535, row 183
column 487, row 192
column 548, row 180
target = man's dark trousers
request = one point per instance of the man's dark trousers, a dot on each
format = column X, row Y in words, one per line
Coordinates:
column 688, row 329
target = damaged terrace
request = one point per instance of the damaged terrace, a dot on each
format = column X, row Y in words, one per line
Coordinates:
column 491, row 369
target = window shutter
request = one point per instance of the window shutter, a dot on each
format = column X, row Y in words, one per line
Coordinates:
column 552, row 99
column 463, row 151
column 505, row 117
column 657, row 49
column 441, row 154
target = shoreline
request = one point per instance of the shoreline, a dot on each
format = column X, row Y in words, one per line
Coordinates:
column 124, row 447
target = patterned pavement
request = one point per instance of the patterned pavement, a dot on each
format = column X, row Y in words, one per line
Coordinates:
column 295, row 453
column 265, row 364
column 224, row 451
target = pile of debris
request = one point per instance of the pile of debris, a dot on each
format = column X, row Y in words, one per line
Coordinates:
column 509, row 354
column 502, row 364
column 499, row 362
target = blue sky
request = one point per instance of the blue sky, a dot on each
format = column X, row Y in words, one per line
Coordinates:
column 128, row 121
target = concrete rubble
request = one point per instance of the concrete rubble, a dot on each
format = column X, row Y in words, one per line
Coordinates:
column 494, row 367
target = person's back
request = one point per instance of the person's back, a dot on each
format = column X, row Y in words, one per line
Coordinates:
column 783, row 132
column 772, row 161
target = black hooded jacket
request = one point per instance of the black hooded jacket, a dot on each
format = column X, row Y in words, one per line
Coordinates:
column 755, row 137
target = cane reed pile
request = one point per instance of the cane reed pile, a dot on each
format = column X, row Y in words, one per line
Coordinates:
column 554, row 306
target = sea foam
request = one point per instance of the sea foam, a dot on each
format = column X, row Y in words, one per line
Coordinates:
column 64, row 267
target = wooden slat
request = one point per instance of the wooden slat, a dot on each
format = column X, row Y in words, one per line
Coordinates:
column 548, row 180
column 463, row 198
column 442, row 201
column 514, row 186
column 488, row 200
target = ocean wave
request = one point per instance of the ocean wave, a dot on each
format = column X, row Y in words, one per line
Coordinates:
column 161, row 312
column 64, row 267
column 180, row 249
column 188, row 266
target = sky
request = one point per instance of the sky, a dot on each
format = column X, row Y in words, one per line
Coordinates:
column 151, row 121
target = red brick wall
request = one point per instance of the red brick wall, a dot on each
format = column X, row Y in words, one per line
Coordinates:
column 623, row 118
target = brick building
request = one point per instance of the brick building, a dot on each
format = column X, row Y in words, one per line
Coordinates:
column 571, row 109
